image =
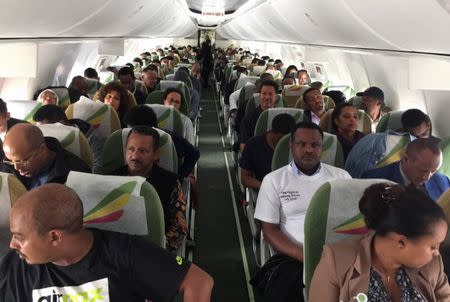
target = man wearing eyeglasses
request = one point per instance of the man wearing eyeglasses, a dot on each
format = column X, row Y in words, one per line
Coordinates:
column 36, row 159
column 281, row 207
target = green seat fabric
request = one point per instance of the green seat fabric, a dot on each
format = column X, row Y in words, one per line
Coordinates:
column 93, row 86
column 264, row 122
column 292, row 93
column 333, row 214
column 390, row 121
column 126, row 204
column 332, row 153
column 114, row 151
column 445, row 167
column 10, row 189
column 63, row 96
column 23, row 110
column 364, row 124
column 106, row 77
column 185, row 94
column 168, row 118
column 253, row 103
column 155, row 97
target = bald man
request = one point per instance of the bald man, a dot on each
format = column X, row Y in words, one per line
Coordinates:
column 36, row 159
column 56, row 259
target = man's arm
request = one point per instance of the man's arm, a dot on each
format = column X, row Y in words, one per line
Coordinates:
column 196, row 285
column 248, row 179
column 279, row 241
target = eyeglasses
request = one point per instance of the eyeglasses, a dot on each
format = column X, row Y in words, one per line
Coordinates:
column 21, row 162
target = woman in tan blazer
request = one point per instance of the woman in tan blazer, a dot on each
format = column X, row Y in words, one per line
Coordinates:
column 398, row 261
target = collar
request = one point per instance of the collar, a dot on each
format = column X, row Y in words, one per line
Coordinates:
column 297, row 171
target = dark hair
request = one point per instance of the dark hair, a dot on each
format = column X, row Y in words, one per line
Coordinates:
column 268, row 83
column 412, row 118
column 277, row 61
column 138, row 60
column 150, row 67
column 170, row 90
column 337, row 112
column 261, row 63
column 140, row 115
column 185, row 69
column 114, row 86
column 306, row 125
column 51, row 113
column 337, row 96
column 90, row 73
column 308, row 91
column 283, row 123
column 3, row 108
column 420, row 144
column 126, row 71
column 148, row 131
column 288, row 69
column 316, row 84
column 302, row 70
column 288, row 77
column 404, row 210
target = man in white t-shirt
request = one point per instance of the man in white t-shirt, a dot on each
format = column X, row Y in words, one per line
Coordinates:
column 284, row 198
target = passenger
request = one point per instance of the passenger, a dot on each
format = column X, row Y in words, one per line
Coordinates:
column 303, row 77
column 417, row 167
column 56, row 259
column 315, row 106
column 182, row 74
column 188, row 155
column 91, row 73
column 256, row 159
column 278, row 64
column 172, row 97
column 267, row 96
column 345, row 120
column 416, row 123
column 128, row 80
column 281, row 206
column 288, row 80
column 372, row 100
column 398, row 261
column 150, row 77
column 78, row 87
column 115, row 95
column 51, row 114
column 318, row 85
column 291, row 70
column 337, row 96
column 141, row 155
column 6, row 121
column 36, row 160
column 48, row 97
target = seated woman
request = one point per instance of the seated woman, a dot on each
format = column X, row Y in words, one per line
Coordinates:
column 115, row 95
column 345, row 122
column 48, row 97
column 398, row 261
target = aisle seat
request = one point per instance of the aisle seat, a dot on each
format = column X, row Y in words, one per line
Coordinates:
column 264, row 122
column 292, row 93
column 23, row 110
column 126, row 204
column 390, row 121
column 168, row 118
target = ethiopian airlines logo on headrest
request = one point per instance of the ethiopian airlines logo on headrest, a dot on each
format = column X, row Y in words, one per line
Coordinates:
column 92, row 291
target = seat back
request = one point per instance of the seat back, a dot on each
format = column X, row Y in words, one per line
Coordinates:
column 258, row 70
column 333, row 214
column 445, row 167
column 264, row 122
column 390, row 121
column 106, row 77
column 10, row 189
column 244, row 80
column 364, row 124
column 291, row 94
column 114, row 151
column 185, row 95
column 332, row 153
column 168, row 118
column 23, row 110
column 93, row 86
column 101, row 117
column 253, row 103
column 327, row 101
column 71, row 139
column 63, row 96
column 126, row 204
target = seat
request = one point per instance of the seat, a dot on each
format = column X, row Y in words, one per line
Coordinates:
column 377, row 150
column 99, row 115
column 244, row 80
column 10, row 189
column 264, row 122
column 93, row 86
column 126, row 204
column 258, row 70
column 106, row 77
column 390, row 121
column 445, row 167
column 332, row 153
column 168, row 118
column 291, row 94
column 71, row 139
column 63, row 95
column 130, row 101
column 114, row 151
column 185, row 95
column 253, row 103
column 23, row 110
column 333, row 214
column 364, row 124
column 328, row 102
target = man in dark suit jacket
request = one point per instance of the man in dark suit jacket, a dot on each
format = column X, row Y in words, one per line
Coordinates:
column 6, row 121
column 417, row 167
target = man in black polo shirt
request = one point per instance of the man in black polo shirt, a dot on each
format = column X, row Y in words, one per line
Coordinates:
column 57, row 259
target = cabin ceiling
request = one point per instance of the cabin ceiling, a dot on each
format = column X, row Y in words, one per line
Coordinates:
column 407, row 25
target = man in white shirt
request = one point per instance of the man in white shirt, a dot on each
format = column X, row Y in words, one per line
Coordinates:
column 315, row 105
column 372, row 102
column 285, row 195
